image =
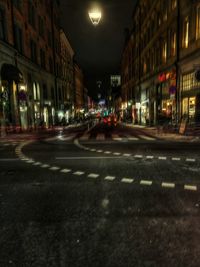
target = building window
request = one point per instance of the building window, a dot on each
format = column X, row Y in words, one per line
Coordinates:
column 2, row 25
column 18, row 4
column 50, row 65
column 173, row 44
column 186, row 32
column 31, row 13
column 45, row 92
column 174, row 3
column 33, row 51
column 49, row 38
column 198, row 22
column 18, row 38
column 36, row 92
column 41, row 26
column 42, row 58
column 189, row 82
column 164, row 52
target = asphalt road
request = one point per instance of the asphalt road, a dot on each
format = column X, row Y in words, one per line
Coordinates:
column 113, row 196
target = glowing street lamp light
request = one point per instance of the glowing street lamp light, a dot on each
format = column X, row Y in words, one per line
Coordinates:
column 95, row 16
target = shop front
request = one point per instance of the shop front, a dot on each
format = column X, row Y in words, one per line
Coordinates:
column 13, row 98
column 166, row 98
column 190, row 98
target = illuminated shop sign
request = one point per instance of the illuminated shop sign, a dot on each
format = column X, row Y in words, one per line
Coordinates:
column 171, row 75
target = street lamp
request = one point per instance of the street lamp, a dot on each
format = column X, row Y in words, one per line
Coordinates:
column 95, row 16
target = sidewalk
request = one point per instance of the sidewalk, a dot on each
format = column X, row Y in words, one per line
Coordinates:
column 159, row 133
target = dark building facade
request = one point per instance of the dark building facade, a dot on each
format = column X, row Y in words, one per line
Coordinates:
column 160, row 62
column 30, row 66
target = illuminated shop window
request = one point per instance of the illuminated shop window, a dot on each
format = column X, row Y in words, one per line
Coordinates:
column 192, row 103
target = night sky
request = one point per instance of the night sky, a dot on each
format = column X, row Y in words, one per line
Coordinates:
column 98, row 49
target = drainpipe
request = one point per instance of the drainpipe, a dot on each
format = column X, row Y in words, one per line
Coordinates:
column 54, row 59
column 177, row 96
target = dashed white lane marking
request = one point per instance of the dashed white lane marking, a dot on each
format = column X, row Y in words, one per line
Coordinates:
column 65, row 170
column 126, row 155
column 107, row 152
column 85, row 137
column 30, row 161
column 127, row 180
column 190, row 160
column 116, row 137
column 100, row 137
column 190, row 187
column 109, row 178
column 150, row 157
column 168, row 185
column 93, row 150
column 99, row 151
column 176, row 159
column 138, row 156
column 45, row 166
column 117, row 154
column 85, row 158
column 131, row 138
column 37, row 163
column 145, row 137
column 78, row 173
column 93, row 175
column 146, row 182
column 54, row 168
column 162, row 158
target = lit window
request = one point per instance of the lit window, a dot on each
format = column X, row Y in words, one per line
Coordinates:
column 174, row 4
column 164, row 52
column 186, row 32
column 198, row 22
column 173, row 44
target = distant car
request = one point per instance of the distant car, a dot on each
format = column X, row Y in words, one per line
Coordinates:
column 111, row 119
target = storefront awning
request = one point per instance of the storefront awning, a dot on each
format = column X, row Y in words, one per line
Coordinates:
column 11, row 73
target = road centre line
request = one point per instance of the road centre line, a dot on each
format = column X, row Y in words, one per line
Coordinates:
column 127, row 180
column 79, row 173
column 45, row 166
column 65, row 170
column 117, row 154
column 107, row 152
column 126, row 155
column 146, row 182
column 190, row 160
column 168, row 185
column 190, row 187
column 54, row 168
column 109, row 178
column 150, row 157
column 37, row 163
column 93, row 175
column 162, row 158
column 85, row 158
column 176, row 159
column 138, row 156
